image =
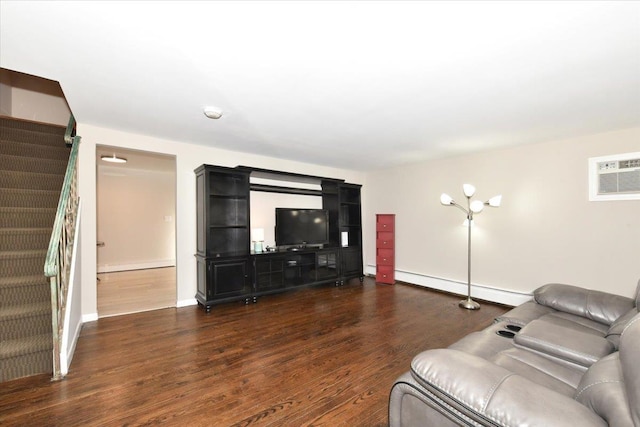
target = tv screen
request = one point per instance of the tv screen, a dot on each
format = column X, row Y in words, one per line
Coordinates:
column 301, row 226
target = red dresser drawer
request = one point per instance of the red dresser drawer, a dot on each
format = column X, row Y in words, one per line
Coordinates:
column 384, row 243
column 384, row 274
column 382, row 226
column 384, row 260
column 387, row 253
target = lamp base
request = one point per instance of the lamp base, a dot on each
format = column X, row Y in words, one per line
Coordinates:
column 469, row 304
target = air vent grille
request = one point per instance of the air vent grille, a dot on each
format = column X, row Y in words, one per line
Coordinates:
column 615, row 177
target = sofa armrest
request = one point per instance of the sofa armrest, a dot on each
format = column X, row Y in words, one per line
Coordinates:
column 598, row 306
column 564, row 344
column 488, row 393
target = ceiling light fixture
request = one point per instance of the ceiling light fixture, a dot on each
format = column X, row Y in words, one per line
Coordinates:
column 113, row 159
column 212, row 113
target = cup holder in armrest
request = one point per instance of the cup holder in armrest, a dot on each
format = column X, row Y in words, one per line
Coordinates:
column 514, row 328
column 506, row 334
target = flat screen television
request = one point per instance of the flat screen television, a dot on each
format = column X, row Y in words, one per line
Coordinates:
column 301, row 226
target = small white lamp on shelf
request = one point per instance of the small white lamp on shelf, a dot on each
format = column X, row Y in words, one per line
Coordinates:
column 257, row 237
column 472, row 208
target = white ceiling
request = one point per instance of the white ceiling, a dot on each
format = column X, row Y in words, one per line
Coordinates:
column 360, row 85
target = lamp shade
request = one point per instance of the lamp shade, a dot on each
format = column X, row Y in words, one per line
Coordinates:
column 257, row 234
column 495, row 201
column 476, row 206
column 469, row 190
column 445, row 199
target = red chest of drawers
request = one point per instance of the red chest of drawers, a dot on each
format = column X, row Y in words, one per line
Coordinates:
column 385, row 248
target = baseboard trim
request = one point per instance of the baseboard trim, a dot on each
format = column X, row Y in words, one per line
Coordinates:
column 186, row 302
column 137, row 266
column 480, row 292
column 91, row 317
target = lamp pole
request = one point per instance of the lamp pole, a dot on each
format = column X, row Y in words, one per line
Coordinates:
column 472, row 207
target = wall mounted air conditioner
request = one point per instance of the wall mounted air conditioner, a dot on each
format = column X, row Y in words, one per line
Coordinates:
column 615, row 177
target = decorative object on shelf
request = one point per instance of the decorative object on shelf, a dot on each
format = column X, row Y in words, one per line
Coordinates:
column 473, row 207
column 257, row 237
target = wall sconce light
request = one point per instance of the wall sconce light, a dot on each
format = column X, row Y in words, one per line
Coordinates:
column 113, row 159
column 473, row 207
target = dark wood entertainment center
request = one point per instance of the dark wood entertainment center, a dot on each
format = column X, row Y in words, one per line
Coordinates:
column 227, row 269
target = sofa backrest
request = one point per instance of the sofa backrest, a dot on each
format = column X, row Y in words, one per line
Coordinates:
column 598, row 306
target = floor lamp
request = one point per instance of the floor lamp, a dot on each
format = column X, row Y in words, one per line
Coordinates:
column 472, row 208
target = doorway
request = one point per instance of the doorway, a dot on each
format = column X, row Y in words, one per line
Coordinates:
column 136, row 237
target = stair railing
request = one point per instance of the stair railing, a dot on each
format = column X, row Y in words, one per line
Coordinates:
column 57, row 265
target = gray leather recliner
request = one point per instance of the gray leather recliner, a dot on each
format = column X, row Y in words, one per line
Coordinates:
column 570, row 357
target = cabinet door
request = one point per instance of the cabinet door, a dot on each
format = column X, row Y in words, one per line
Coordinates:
column 269, row 274
column 228, row 279
column 351, row 262
column 327, row 265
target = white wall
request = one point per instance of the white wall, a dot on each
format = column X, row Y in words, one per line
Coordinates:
column 188, row 157
column 136, row 210
column 545, row 231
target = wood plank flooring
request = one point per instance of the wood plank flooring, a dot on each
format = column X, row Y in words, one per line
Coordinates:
column 126, row 292
column 323, row 356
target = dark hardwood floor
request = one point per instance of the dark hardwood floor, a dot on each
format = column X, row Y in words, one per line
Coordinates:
column 322, row 356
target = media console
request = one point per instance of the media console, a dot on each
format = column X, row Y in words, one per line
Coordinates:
column 227, row 269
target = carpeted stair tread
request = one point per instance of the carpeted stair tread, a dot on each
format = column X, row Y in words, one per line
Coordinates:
column 22, row 263
column 31, row 132
column 9, row 123
column 18, row 198
column 30, row 180
column 30, row 164
column 24, row 238
column 25, row 217
column 33, row 344
column 22, row 254
column 16, row 281
column 23, row 365
column 24, row 310
column 36, row 323
column 20, row 290
column 25, row 149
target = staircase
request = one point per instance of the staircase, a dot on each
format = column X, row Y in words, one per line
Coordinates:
column 33, row 160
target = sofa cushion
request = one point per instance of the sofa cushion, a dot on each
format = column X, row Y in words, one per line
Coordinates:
column 599, row 306
column 540, row 370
